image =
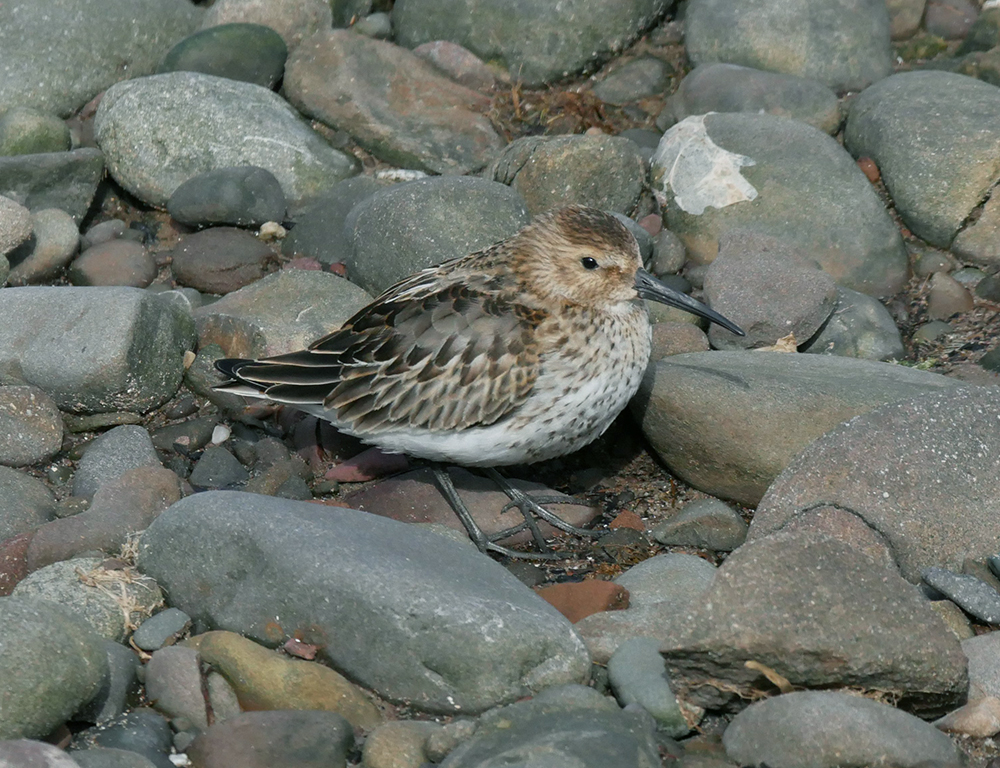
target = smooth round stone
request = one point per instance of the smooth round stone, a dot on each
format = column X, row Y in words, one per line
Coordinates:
column 319, row 231
column 251, row 53
column 968, row 276
column 669, row 254
column 294, row 20
column 377, row 25
column 991, row 360
column 120, row 683
column 56, row 239
column 117, row 262
column 220, row 260
column 15, row 224
column 104, row 757
column 155, row 631
column 932, row 331
column 111, row 229
column 460, row 64
column 860, row 326
column 28, row 753
column 52, row 663
column 638, row 675
column 31, row 425
column 707, row 523
column 947, row 297
column 141, row 730
column 635, row 80
column 268, row 739
column 110, row 456
column 989, row 288
column 26, row 504
column 244, row 196
column 27, row 131
column 218, row 468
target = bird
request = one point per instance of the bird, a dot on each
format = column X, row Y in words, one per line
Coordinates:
column 519, row 352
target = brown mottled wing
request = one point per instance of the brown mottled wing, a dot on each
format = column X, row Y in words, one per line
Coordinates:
column 420, row 356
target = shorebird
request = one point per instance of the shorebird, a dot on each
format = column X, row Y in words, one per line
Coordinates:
column 520, row 352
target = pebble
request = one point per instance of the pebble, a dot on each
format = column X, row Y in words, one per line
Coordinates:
column 267, row 739
column 111, row 600
column 245, row 196
column 55, row 242
column 32, row 424
column 220, row 260
column 218, row 468
column 294, row 20
column 834, row 729
column 577, row 600
column 859, row 326
column 15, row 224
column 110, row 456
column 947, row 297
column 398, row 744
column 638, row 676
column 969, row 593
column 116, row 262
column 142, row 731
column 460, row 64
column 161, row 629
column 639, row 78
column 28, row 131
column 251, row 53
column 704, row 523
column 119, row 686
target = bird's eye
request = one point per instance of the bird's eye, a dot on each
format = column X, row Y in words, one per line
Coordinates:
column 589, row 262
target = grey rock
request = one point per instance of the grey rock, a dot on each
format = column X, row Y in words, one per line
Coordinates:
column 251, row 53
column 972, row 595
column 319, row 227
column 931, row 331
column 64, row 180
column 661, row 590
column 377, row 25
column 25, row 753
column 859, row 326
column 283, row 312
column 52, row 663
column 218, row 468
column 567, row 725
column 119, row 684
column 764, row 286
column 704, row 523
column 606, row 172
column 246, row 196
column 112, row 229
column 221, row 260
column 874, row 630
column 844, row 45
column 15, row 224
column 977, row 242
column 294, row 20
column 638, row 675
column 460, row 64
column 111, row 455
column 642, row 237
column 51, row 61
column 108, row 600
column 141, row 730
column 984, row 34
column 637, row 79
column 950, row 19
column 117, row 262
column 106, row 349
column 107, row 757
column 983, row 653
column 309, row 739
column 732, row 88
column 832, row 729
column 904, row 17
column 907, row 124
column 27, row 131
column 159, row 131
column 536, row 42
column 433, row 621
column 886, row 467
column 730, row 422
column 30, row 425
column 947, row 297
column 817, row 200
column 394, row 104
column 174, row 684
column 411, row 226
column 669, row 254
column 54, row 243
column 25, row 503
column 158, row 629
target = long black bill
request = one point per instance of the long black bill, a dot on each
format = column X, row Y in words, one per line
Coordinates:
column 648, row 287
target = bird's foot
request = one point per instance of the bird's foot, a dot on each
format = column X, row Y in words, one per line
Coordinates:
column 531, row 510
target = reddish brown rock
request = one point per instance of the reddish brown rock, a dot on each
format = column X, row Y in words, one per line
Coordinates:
column 221, row 260
column 577, row 600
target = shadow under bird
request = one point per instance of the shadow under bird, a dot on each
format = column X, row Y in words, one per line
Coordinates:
column 519, row 352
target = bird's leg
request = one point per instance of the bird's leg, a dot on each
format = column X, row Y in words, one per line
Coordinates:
column 480, row 539
column 531, row 508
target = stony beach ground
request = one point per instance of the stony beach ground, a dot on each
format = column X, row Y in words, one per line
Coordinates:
column 796, row 552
